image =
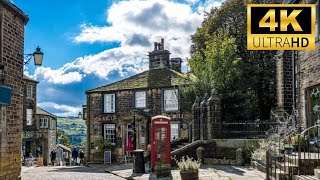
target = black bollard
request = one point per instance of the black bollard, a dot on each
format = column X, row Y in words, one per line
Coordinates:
column 138, row 161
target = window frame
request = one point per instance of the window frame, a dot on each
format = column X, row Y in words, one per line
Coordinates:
column 164, row 100
column 135, row 99
column 113, row 141
column 179, row 127
column 104, row 103
column 42, row 124
column 29, row 95
column 29, row 115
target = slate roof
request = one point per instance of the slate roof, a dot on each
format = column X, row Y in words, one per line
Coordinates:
column 29, row 78
column 43, row 112
column 153, row 78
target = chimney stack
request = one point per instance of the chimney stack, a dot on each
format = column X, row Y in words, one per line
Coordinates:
column 159, row 46
column 155, row 46
column 162, row 44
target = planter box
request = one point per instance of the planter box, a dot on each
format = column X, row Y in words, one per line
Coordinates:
column 164, row 173
column 189, row 175
column 5, row 95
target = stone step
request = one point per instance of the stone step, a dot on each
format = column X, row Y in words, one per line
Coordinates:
column 287, row 167
column 305, row 177
column 317, row 173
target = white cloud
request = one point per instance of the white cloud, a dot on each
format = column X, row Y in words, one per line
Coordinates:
column 58, row 76
column 136, row 24
column 65, row 110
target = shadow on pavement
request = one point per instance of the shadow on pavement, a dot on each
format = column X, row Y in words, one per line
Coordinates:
column 230, row 170
column 79, row 169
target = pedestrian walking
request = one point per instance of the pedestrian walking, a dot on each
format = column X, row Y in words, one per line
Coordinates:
column 75, row 155
column 81, row 156
column 53, row 156
column 59, row 154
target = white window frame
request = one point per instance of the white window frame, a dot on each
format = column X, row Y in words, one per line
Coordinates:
column 109, row 104
column 174, row 130
column 29, row 91
column 43, row 122
column 109, row 132
column 140, row 102
column 170, row 103
column 29, row 117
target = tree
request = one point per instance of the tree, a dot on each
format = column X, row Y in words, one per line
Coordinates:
column 63, row 139
column 254, row 85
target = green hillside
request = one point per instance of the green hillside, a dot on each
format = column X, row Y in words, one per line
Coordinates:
column 72, row 132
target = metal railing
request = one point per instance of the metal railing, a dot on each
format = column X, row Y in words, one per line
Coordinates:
column 247, row 128
column 298, row 154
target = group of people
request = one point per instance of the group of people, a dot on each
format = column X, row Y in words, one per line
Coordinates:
column 77, row 154
column 58, row 157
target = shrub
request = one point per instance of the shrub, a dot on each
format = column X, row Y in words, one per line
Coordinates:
column 188, row 164
column 162, row 167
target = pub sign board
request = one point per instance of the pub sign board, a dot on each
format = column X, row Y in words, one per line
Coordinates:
column 5, row 95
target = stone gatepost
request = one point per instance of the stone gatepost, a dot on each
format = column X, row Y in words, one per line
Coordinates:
column 203, row 117
column 239, row 157
column 196, row 119
column 214, row 124
column 200, row 154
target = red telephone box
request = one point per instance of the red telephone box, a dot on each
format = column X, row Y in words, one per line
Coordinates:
column 160, row 140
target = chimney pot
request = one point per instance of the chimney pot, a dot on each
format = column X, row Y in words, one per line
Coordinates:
column 162, row 44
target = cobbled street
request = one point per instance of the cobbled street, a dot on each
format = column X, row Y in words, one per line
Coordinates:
column 67, row 173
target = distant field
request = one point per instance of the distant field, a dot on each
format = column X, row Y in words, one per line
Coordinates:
column 75, row 128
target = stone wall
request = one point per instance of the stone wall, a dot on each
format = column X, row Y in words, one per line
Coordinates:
column 11, row 119
column 46, row 137
column 285, row 84
column 124, row 117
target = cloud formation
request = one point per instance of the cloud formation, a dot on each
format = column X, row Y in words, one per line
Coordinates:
column 60, row 110
column 134, row 25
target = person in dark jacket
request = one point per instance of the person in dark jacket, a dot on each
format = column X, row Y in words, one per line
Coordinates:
column 53, row 157
column 75, row 155
column 81, row 156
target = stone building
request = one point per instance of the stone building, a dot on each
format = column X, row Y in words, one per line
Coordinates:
column 12, row 23
column 29, row 116
column 298, row 82
column 112, row 109
column 46, row 133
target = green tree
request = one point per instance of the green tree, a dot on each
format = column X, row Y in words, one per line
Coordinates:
column 63, row 139
column 254, row 85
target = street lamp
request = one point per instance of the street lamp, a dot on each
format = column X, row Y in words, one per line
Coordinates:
column 38, row 57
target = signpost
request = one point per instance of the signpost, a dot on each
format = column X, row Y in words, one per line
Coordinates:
column 107, row 157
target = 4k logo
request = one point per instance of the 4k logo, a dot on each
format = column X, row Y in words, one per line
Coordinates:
column 281, row 27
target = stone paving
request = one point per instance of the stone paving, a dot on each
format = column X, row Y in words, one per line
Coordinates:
column 67, row 173
column 205, row 173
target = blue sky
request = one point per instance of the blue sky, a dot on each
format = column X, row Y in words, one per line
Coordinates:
column 92, row 43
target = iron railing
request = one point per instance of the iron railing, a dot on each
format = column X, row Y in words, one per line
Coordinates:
column 297, row 154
